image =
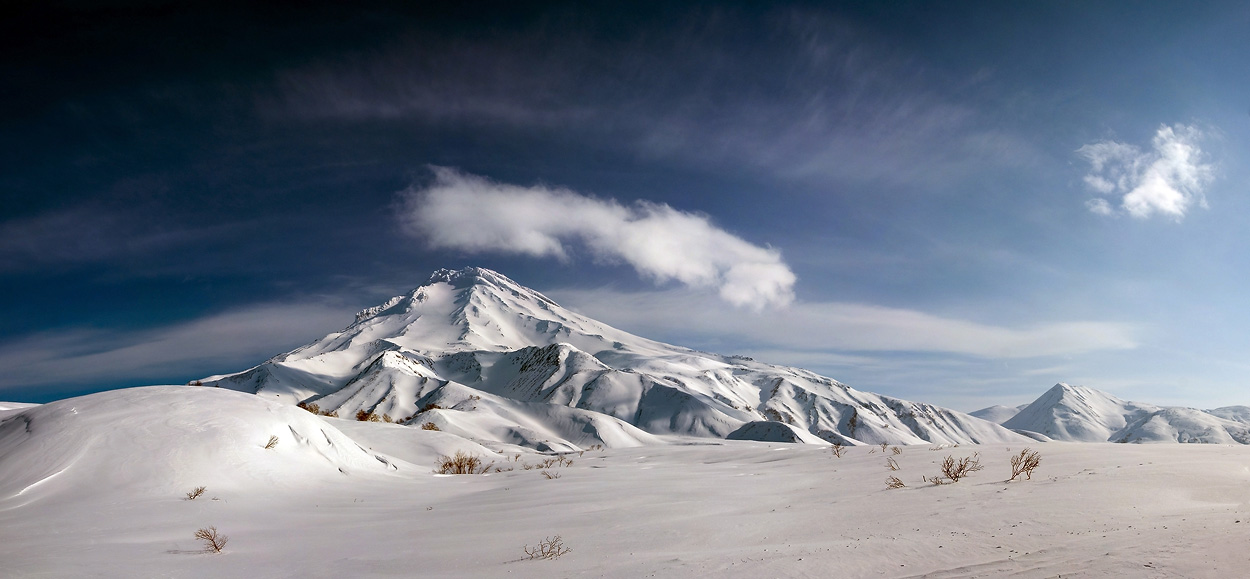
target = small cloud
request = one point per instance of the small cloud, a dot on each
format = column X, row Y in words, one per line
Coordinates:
column 474, row 214
column 1100, row 206
column 1168, row 179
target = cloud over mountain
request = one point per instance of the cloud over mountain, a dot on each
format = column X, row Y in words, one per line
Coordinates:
column 474, row 214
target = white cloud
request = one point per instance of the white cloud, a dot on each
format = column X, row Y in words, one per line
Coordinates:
column 476, row 215
column 807, row 327
column 1168, row 179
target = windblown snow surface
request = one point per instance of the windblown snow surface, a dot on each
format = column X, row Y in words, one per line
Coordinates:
column 95, row 487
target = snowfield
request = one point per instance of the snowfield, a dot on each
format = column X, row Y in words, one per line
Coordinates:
column 95, row 486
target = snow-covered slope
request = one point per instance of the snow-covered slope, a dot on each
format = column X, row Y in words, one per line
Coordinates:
column 998, row 413
column 473, row 352
column 1077, row 413
column 169, row 439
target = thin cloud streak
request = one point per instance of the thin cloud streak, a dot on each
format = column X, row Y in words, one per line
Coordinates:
column 846, row 327
column 215, row 343
column 476, row 215
column 846, row 105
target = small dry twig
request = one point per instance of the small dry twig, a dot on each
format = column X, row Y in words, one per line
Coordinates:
column 548, row 548
column 894, row 483
column 273, row 441
column 195, row 493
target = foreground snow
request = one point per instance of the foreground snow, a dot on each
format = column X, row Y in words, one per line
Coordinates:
column 94, row 486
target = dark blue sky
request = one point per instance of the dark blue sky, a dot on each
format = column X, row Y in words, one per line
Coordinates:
column 974, row 200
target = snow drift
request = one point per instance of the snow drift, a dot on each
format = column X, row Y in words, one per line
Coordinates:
column 167, row 440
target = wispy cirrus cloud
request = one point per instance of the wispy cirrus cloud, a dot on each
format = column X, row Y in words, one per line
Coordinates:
column 477, row 215
column 223, row 342
column 833, row 327
column 1167, row 180
column 814, row 97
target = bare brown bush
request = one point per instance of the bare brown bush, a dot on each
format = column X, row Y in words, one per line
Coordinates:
column 838, row 449
column 956, row 469
column 310, row 406
column 891, row 464
column 429, row 426
column 550, row 475
column 214, row 542
column 1024, row 463
column 273, row 441
column 462, row 463
column 548, row 548
column 195, row 493
column 894, row 483
column 896, row 450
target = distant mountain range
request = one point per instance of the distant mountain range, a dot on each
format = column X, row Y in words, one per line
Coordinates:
column 478, row 355
column 474, row 353
column 1080, row 414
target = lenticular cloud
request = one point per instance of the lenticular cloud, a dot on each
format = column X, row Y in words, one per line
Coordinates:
column 1166, row 180
column 474, row 214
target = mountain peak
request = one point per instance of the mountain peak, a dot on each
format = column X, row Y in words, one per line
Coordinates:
column 468, row 276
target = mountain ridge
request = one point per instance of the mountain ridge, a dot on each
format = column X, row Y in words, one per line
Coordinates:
column 1080, row 414
column 518, row 368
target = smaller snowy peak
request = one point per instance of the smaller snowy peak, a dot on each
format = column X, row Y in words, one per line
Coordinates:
column 1077, row 413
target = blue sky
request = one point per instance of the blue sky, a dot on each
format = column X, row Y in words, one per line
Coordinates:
column 960, row 203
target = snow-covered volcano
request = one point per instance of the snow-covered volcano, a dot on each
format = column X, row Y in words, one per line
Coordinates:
column 476, row 354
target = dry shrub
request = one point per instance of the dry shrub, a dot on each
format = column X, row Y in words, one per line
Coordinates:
column 1024, row 463
column 550, row 475
column 896, row 450
column 273, row 441
column 430, row 406
column 331, row 414
column 429, row 426
column 387, row 418
column 894, row 483
column 195, row 493
column 956, row 469
column 885, row 446
column 214, row 542
column 838, row 449
column 891, row 464
column 548, row 548
column 311, row 407
column 462, row 463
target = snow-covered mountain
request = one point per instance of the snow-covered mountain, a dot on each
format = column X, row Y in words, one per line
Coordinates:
column 1077, row 413
column 476, row 354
